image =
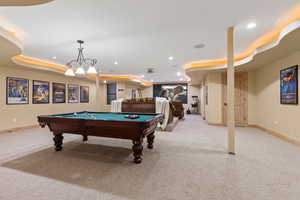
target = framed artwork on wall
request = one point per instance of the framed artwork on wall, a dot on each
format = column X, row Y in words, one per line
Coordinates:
column 59, row 92
column 17, row 91
column 73, row 93
column 40, row 92
column 84, row 94
column 289, row 85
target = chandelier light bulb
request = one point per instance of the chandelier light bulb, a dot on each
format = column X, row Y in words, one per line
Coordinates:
column 81, row 63
column 92, row 70
column 80, row 71
column 69, row 72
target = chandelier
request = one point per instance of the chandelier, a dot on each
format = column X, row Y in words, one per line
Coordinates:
column 80, row 64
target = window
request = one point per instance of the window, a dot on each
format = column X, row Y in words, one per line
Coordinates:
column 111, row 92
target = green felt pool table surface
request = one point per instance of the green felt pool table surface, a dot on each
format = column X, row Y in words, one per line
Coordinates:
column 106, row 116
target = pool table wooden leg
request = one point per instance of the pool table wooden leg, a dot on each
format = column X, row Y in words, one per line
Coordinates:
column 150, row 140
column 137, row 150
column 58, row 141
column 85, row 138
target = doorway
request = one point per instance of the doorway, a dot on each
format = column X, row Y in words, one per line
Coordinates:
column 241, row 98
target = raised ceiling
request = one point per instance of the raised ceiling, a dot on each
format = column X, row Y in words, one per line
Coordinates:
column 22, row 2
column 140, row 34
column 287, row 46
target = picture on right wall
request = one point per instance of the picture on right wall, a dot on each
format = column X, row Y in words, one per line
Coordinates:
column 289, row 85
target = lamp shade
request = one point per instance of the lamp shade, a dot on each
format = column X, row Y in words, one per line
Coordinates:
column 69, row 72
column 92, row 70
column 80, row 70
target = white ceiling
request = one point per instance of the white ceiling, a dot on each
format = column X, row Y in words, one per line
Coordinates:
column 140, row 34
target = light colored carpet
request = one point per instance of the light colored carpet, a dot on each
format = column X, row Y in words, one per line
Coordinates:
column 189, row 163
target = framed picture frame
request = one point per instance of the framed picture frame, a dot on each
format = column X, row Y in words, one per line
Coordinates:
column 17, row 91
column 58, row 93
column 289, row 86
column 40, row 92
column 84, row 94
column 73, row 93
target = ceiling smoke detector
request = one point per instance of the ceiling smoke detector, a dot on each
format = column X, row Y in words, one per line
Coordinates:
column 150, row 70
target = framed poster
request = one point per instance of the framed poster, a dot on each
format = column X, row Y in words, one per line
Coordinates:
column 40, row 92
column 84, row 94
column 59, row 92
column 289, row 85
column 73, row 93
column 17, row 91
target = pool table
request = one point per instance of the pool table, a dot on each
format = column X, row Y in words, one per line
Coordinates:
column 104, row 124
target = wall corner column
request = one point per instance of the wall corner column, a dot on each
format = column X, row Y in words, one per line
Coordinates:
column 98, row 95
column 230, row 91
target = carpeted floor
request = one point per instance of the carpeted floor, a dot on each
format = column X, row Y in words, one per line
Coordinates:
column 189, row 163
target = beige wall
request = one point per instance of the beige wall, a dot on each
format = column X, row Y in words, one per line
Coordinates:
column 264, row 108
column 270, row 114
column 214, row 107
column 123, row 92
column 147, row 92
column 252, row 119
column 13, row 116
column 128, row 90
column 104, row 107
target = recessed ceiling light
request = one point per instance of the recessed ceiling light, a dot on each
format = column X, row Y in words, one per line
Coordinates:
column 178, row 74
column 104, row 81
column 116, row 63
column 171, row 58
column 151, row 80
column 199, row 46
column 54, row 57
column 143, row 76
column 181, row 79
column 251, row 25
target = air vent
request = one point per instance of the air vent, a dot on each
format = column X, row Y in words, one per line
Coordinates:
column 150, row 70
column 199, row 46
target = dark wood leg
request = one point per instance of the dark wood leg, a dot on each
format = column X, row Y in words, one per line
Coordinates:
column 85, row 138
column 58, row 141
column 150, row 140
column 137, row 150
